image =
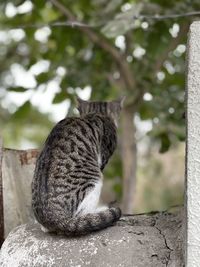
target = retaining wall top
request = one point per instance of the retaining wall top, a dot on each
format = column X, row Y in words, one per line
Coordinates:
column 136, row 241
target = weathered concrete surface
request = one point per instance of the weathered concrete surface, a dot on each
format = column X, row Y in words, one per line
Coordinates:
column 193, row 148
column 17, row 174
column 136, row 241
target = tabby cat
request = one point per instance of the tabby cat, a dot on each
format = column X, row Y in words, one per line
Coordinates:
column 68, row 176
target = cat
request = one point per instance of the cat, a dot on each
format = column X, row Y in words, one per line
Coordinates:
column 68, row 176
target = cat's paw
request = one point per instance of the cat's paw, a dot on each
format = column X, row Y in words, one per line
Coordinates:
column 45, row 230
column 117, row 212
column 101, row 208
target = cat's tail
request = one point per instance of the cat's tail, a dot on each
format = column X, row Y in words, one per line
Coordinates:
column 84, row 224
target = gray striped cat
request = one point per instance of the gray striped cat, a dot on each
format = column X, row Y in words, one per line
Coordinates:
column 68, row 176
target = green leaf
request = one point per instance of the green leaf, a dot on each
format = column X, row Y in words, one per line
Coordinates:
column 112, row 5
column 18, row 89
column 19, row 2
column 42, row 77
column 123, row 22
column 59, row 97
column 22, row 111
column 165, row 143
column 118, row 190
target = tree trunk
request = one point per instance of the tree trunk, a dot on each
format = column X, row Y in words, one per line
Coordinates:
column 129, row 159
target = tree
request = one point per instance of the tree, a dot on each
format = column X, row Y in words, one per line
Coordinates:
column 140, row 58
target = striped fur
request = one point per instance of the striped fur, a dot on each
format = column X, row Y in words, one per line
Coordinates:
column 68, row 175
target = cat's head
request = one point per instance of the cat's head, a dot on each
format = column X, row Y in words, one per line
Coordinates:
column 111, row 109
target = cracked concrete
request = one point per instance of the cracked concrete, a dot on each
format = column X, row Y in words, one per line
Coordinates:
column 153, row 240
column 165, row 240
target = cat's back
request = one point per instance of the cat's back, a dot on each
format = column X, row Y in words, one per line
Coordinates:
column 72, row 136
column 72, row 131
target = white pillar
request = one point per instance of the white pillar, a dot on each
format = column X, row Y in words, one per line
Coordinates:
column 193, row 148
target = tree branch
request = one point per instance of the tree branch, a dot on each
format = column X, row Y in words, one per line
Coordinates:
column 167, row 16
column 104, row 44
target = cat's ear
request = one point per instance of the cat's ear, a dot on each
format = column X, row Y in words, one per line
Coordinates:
column 79, row 100
column 121, row 101
column 81, row 104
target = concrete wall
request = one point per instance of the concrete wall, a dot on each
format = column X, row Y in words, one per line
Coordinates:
column 17, row 174
column 136, row 241
column 193, row 148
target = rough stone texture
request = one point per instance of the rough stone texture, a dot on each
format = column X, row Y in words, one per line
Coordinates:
column 17, row 173
column 136, row 241
column 193, row 148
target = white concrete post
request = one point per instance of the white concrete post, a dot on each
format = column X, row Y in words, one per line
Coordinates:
column 193, row 148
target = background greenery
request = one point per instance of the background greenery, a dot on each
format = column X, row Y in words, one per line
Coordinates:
column 143, row 59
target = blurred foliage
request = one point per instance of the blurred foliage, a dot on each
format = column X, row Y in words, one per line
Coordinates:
column 152, row 51
column 84, row 61
column 17, row 128
column 160, row 185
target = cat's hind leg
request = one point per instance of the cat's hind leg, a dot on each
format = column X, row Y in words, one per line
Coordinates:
column 91, row 201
